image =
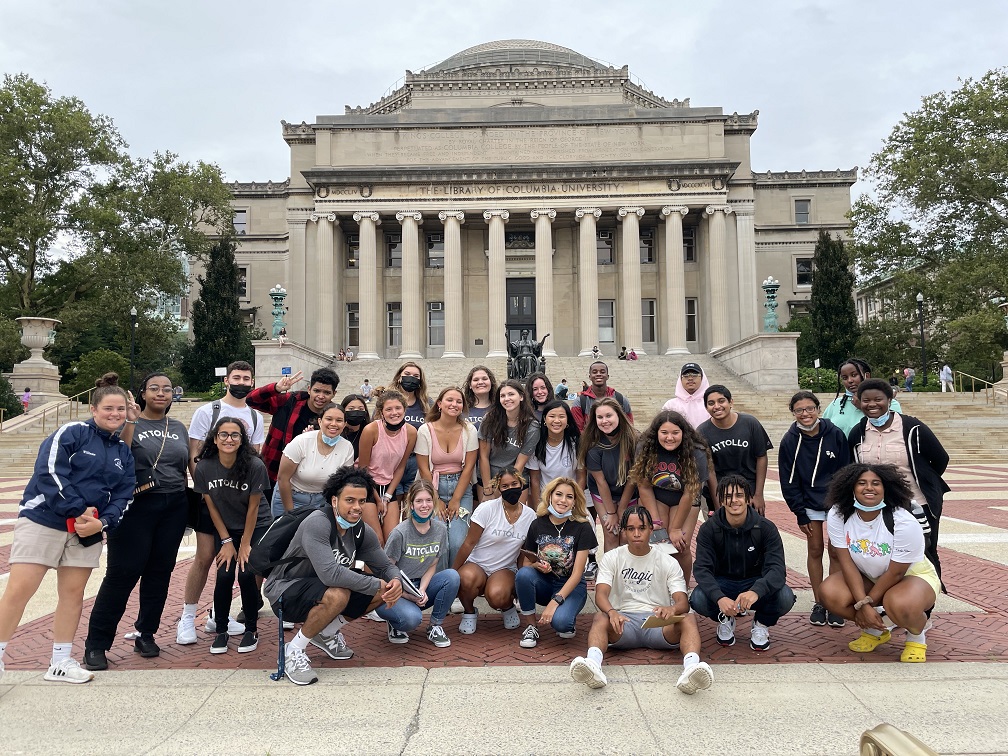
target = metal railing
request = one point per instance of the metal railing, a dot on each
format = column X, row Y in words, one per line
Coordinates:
column 71, row 408
column 991, row 391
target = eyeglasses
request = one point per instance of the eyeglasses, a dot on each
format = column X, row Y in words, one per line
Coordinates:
column 233, row 435
column 805, row 410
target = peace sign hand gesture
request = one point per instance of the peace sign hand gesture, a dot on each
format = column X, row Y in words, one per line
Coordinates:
column 132, row 408
column 288, row 381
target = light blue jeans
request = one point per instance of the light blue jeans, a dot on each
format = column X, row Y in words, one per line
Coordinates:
column 301, row 499
column 533, row 587
column 458, row 528
column 405, row 616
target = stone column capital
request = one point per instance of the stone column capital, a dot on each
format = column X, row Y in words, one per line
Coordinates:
column 456, row 214
column 414, row 214
column 711, row 209
column 372, row 216
column 502, row 214
column 623, row 212
column 546, row 211
column 667, row 210
column 581, row 212
column 331, row 217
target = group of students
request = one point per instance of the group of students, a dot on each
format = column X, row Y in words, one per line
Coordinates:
column 480, row 492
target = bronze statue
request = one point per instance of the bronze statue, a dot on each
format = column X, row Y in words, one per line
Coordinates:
column 525, row 356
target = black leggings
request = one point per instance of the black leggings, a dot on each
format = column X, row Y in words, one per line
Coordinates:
column 251, row 598
column 142, row 549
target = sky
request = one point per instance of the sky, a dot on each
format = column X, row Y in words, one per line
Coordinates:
column 212, row 80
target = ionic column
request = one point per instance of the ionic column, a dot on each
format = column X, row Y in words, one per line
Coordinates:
column 675, row 287
column 366, row 285
column 718, row 276
column 588, row 278
column 745, row 234
column 413, row 317
column 543, row 218
column 297, row 283
column 454, row 311
column 497, row 280
column 630, row 295
column 325, row 295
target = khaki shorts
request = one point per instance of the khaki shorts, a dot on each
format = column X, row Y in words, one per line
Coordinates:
column 926, row 572
column 37, row 544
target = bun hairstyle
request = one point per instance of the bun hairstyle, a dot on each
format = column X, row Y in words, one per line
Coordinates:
column 107, row 385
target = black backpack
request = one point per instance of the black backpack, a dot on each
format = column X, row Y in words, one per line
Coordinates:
column 269, row 552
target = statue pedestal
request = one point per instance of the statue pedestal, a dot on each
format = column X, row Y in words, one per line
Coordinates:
column 37, row 373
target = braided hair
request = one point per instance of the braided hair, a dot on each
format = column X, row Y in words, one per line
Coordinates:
column 863, row 369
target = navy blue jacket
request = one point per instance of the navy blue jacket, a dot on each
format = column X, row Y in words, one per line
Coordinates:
column 79, row 466
column 807, row 464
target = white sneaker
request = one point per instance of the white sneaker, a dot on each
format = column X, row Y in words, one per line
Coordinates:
column 185, row 635
column 587, row 672
column 530, row 637
column 456, row 607
column 726, row 630
column 468, row 624
column 373, row 616
column 68, row 670
column 234, row 627
column 511, row 619
column 334, row 645
column 698, row 677
column 759, row 637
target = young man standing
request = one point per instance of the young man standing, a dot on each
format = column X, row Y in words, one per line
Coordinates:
column 637, row 582
column 238, row 381
column 689, row 395
column 739, row 566
column 598, row 376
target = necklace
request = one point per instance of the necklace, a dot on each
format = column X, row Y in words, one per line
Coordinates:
column 559, row 527
column 517, row 514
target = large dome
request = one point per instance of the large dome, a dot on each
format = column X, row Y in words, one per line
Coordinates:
column 519, row 52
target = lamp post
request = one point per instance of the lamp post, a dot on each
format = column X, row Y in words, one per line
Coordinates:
column 770, row 287
column 920, row 318
column 133, row 322
column 278, row 293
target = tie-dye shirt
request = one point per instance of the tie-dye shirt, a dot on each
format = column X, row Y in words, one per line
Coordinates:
column 871, row 545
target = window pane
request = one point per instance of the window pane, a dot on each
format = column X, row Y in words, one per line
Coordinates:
column 435, row 324
column 394, row 313
column 607, row 321
column 353, row 324
column 801, row 211
column 803, row 271
column 435, row 250
column 691, row 320
column 243, row 282
column 604, row 248
column 689, row 244
column 393, row 255
column 647, row 245
column 352, row 250
column 648, row 321
column 240, row 220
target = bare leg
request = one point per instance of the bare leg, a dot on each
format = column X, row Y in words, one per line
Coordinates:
column 70, row 583
column 499, row 590
column 333, row 602
column 686, row 634
column 23, row 582
column 906, row 602
column 472, row 581
column 814, row 559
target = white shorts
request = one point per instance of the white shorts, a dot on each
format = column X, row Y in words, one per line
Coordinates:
column 815, row 515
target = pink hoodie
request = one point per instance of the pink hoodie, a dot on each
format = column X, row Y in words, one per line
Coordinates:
column 690, row 406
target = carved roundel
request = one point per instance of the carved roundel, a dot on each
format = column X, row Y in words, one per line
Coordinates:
column 718, row 184
column 322, row 192
column 366, row 190
column 674, row 185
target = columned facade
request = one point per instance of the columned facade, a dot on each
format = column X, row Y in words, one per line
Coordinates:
column 544, row 275
column 630, row 289
column 717, row 272
column 454, row 308
column 369, row 317
column 326, row 299
column 588, row 278
column 675, row 287
column 497, row 301
column 412, row 315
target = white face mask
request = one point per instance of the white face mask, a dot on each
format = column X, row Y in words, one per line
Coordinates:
column 808, row 428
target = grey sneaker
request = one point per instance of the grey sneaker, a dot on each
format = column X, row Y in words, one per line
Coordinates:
column 334, row 645
column 698, row 677
column 396, row 636
column 297, row 666
column 726, row 630
column 438, row 636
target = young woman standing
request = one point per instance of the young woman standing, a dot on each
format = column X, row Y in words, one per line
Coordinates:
column 508, row 436
column 309, row 460
column 556, row 450
column 355, row 413
column 845, row 411
column 540, row 391
column 144, row 547
column 446, row 450
column 480, row 387
column 82, row 484
column 409, row 381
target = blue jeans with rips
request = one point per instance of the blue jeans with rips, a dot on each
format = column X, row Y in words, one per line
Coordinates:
column 458, row 528
column 767, row 610
column 533, row 587
column 405, row 616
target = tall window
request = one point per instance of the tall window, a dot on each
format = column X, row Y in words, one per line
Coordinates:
column 649, row 330
column 240, row 221
column 803, row 271
column 352, row 250
column 689, row 244
column 647, row 245
column 393, row 251
column 393, row 312
column 243, row 281
column 607, row 321
column 435, row 324
column 604, row 247
column 691, row 319
column 435, row 250
column 802, row 208
column 353, row 324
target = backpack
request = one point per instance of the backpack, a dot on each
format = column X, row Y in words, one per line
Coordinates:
column 216, row 414
column 269, row 552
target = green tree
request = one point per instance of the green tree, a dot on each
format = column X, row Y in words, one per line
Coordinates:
column 11, row 348
column 220, row 335
column 95, row 364
column 802, row 325
column 9, row 400
column 976, row 343
column 832, row 316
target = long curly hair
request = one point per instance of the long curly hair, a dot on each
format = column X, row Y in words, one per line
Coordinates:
column 495, row 423
column 647, row 456
column 625, row 438
column 895, row 489
column 420, row 393
column 243, row 456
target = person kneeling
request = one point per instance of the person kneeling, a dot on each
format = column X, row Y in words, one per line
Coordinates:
column 560, row 539
column 320, row 585
column 885, row 578
column 637, row 582
column 740, row 566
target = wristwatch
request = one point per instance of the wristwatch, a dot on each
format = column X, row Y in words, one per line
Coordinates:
column 558, row 598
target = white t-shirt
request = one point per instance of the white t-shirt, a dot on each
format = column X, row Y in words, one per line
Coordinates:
column 871, row 545
column 639, row 584
column 313, row 468
column 498, row 546
column 199, row 426
column 558, row 464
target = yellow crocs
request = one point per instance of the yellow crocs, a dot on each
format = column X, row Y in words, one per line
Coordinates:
column 914, row 652
column 866, row 642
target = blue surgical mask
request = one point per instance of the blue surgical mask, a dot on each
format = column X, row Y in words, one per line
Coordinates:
column 866, row 508
column 329, row 441
column 343, row 523
column 420, row 519
column 563, row 516
column 878, row 422
column 849, row 393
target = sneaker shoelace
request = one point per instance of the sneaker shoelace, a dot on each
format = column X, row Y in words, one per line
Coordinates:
column 298, row 660
column 531, row 632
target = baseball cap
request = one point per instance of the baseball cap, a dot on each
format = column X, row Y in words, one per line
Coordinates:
column 691, row 367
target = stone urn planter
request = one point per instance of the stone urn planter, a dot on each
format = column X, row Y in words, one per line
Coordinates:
column 37, row 373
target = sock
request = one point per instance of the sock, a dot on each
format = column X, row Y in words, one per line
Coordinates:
column 61, row 651
column 873, row 631
column 757, row 622
column 595, row 654
column 3, row 647
column 911, row 638
column 299, row 641
column 690, row 660
column 189, row 609
column 335, row 626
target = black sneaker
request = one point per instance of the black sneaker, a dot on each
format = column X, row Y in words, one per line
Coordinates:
column 818, row 615
column 591, row 571
column 95, row 660
column 835, row 620
column 146, row 647
column 249, row 642
column 220, row 644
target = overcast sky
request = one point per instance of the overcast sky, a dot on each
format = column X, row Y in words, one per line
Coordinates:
column 211, row 80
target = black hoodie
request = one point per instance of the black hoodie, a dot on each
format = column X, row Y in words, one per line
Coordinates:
column 752, row 552
column 807, row 464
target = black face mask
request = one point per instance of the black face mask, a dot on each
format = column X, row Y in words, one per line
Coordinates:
column 394, row 428
column 511, row 495
column 356, row 417
column 238, row 391
column 409, row 383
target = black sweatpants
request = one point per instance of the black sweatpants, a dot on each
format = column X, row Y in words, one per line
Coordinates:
column 224, row 587
column 143, row 548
